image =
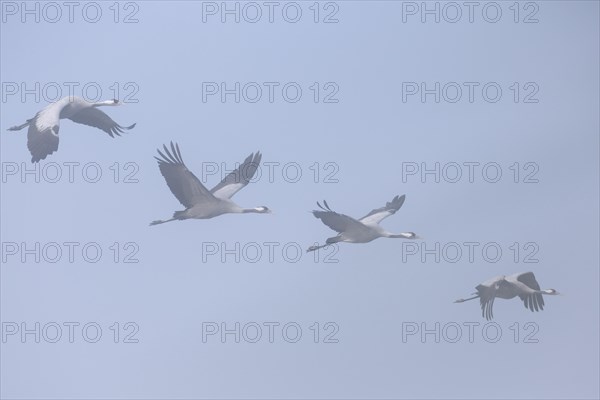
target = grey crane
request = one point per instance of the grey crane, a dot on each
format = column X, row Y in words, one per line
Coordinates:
column 521, row 284
column 363, row 230
column 199, row 202
column 42, row 136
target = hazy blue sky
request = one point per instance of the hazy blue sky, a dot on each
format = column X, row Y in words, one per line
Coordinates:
column 369, row 61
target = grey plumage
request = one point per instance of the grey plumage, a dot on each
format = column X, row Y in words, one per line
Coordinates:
column 521, row 284
column 364, row 230
column 201, row 203
column 42, row 135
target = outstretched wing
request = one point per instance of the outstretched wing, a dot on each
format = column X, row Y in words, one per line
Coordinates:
column 532, row 301
column 336, row 221
column 42, row 143
column 42, row 135
column 183, row 183
column 487, row 295
column 379, row 214
column 528, row 279
column 92, row 116
column 237, row 179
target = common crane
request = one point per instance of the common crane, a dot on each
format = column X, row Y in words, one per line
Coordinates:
column 363, row 230
column 42, row 136
column 522, row 284
column 199, row 202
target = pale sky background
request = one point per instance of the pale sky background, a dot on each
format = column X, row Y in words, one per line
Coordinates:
column 368, row 134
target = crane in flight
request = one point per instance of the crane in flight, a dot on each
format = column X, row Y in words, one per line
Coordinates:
column 522, row 284
column 42, row 136
column 362, row 230
column 199, row 202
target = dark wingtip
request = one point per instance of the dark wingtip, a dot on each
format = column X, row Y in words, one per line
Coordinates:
column 257, row 157
column 168, row 153
column 174, row 150
column 164, row 158
column 35, row 159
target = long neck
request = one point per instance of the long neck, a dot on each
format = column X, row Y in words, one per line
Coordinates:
column 251, row 210
column 470, row 298
column 104, row 103
column 401, row 235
